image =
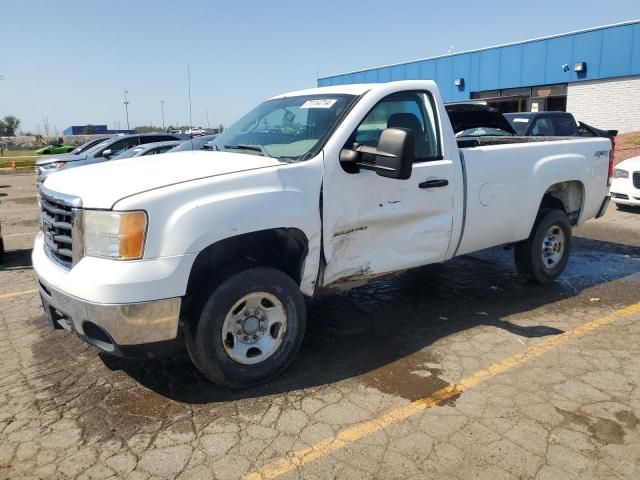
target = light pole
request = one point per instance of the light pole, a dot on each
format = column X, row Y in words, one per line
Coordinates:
column 126, row 106
column 162, row 107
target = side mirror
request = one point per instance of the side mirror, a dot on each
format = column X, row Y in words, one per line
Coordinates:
column 392, row 158
column 107, row 153
column 395, row 153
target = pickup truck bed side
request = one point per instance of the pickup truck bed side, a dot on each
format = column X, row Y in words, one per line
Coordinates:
column 506, row 184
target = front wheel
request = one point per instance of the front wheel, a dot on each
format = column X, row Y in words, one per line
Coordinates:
column 248, row 328
column 544, row 255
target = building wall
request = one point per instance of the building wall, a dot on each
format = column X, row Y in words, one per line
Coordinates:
column 607, row 104
column 610, row 51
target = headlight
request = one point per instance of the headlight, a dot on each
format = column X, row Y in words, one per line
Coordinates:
column 117, row 235
column 619, row 173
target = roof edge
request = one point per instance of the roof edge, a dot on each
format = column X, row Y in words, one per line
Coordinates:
column 465, row 52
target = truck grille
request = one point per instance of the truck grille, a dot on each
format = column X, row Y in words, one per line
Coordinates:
column 636, row 179
column 56, row 222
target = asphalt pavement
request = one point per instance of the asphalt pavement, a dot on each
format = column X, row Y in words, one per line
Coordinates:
column 454, row 371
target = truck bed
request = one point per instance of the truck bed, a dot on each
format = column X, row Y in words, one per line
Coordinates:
column 470, row 142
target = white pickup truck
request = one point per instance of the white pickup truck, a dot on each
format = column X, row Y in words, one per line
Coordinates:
column 310, row 190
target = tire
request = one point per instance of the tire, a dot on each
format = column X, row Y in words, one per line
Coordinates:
column 539, row 258
column 221, row 339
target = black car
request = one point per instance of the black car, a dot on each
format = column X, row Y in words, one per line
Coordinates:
column 553, row 124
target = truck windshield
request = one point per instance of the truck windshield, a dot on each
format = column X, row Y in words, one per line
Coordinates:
column 292, row 128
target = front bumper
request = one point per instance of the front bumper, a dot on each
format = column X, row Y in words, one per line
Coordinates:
column 624, row 192
column 134, row 330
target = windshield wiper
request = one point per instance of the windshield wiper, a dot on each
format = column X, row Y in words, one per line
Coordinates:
column 254, row 148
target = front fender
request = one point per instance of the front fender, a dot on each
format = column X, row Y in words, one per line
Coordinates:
column 188, row 217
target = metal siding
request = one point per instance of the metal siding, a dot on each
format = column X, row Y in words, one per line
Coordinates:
column 461, row 69
column 635, row 51
column 413, row 71
column 371, row 76
column 587, row 48
column 444, row 77
column 609, row 52
column 384, row 74
column 489, row 70
column 616, row 52
column 511, row 67
column 398, row 72
column 533, row 63
column 558, row 54
column 428, row 70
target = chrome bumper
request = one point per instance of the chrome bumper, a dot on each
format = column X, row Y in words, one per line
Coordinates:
column 146, row 329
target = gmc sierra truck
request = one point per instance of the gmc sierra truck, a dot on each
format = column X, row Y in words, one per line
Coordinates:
column 311, row 190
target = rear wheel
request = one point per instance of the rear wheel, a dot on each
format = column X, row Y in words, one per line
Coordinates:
column 248, row 329
column 544, row 255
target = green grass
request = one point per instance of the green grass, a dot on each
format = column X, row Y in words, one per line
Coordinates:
column 636, row 141
column 23, row 158
column 18, row 153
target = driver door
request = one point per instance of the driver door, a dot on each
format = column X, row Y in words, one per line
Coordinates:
column 373, row 225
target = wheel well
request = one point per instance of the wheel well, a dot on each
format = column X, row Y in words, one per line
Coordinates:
column 282, row 248
column 565, row 196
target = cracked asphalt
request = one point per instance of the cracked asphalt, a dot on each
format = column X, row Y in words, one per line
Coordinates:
column 455, row 371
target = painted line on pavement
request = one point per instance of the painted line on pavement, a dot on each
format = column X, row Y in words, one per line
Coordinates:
column 18, row 294
column 361, row 430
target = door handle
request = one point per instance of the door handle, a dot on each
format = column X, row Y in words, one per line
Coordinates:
column 438, row 182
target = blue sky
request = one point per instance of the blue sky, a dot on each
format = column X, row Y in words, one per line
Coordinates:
column 70, row 60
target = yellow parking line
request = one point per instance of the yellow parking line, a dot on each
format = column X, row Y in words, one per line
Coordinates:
column 17, row 294
column 355, row 433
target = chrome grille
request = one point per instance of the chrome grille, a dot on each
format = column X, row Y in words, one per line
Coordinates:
column 57, row 217
column 636, row 179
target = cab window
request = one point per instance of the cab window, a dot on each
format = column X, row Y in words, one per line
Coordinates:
column 411, row 110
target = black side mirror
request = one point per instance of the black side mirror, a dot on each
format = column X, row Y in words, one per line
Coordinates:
column 395, row 153
column 393, row 157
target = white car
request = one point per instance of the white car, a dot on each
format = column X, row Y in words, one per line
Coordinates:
column 625, row 189
column 312, row 190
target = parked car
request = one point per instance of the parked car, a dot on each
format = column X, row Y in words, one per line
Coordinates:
column 553, row 124
column 148, row 149
column 195, row 131
column 100, row 152
column 625, row 189
column 86, row 146
column 53, row 149
column 350, row 183
column 198, row 143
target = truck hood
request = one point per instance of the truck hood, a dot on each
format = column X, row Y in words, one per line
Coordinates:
column 102, row 185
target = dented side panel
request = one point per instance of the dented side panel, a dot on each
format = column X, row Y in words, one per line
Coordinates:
column 374, row 225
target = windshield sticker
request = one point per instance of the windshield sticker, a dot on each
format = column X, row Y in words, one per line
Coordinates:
column 319, row 103
column 521, row 120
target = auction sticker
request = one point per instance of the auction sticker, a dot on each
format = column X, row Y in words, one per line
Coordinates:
column 319, row 103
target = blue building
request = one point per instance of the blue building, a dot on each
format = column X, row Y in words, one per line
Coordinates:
column 594, row 73
column 95, row 129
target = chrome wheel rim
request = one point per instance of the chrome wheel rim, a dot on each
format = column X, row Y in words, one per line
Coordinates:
column 553, row 246
column 254, row 328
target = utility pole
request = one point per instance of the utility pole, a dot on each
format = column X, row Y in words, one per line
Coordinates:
column 126, row 106
column 207, row 118
column 162, row 107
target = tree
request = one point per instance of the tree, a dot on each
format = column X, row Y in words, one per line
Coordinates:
column 89, row 130
column 9, row 125
column 220, row 128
